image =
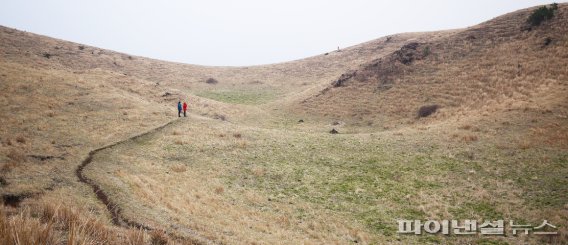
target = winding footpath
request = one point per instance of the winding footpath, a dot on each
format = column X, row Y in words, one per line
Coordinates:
column 115, row 210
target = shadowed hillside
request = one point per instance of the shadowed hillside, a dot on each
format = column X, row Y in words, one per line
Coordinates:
column 494, row 66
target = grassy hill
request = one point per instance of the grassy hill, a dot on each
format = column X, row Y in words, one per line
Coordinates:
column 493, row 66
column 461, row 124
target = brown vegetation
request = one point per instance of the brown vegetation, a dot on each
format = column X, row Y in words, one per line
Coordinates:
column 455, row 70
column 264, row 177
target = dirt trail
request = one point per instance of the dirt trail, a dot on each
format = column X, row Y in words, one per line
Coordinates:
column 114, row 209
column 116, row 212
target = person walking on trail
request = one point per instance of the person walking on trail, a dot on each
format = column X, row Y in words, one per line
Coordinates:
column 184, row 108
column 179, row 108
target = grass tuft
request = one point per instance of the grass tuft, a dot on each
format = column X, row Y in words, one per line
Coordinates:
column 158, row 237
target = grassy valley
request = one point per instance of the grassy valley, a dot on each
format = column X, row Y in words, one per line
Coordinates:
column 461, row 124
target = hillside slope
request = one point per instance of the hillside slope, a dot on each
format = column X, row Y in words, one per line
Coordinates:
column 493, row 66
column 61, row 100
column 45, row 52
column 256, row 149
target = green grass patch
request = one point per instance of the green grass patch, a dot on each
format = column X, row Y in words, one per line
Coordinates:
column 429, row 239
column 346, row 175
column 544, row 188
column 485, row 241
column 243, row 97
column 470, row 210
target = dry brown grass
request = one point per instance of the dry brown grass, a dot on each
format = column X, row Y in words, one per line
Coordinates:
column 459, row 75
column 241, row 144
column 16, row 156
column 474, row 87
column 524, row 144
column 259, row 172
column 158, row 237
column 469, row 138
column 6, row 167
column 20, row 139
column 136, row 237
column 219, row 190
column 179, row 168
column 53, row 223
column 81, row 228
column 200, row 199
column 25, row 230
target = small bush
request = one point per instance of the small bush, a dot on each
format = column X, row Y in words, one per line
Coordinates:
column 427, row 110
column 16, row 156
column 237, row 135
column 158, row 237
column 81, row 47
column 426, row 51
column 21, row 139
column 541, row 14
column 547, row 41
column 211, row 81
column 47, row 55
column 219, row 117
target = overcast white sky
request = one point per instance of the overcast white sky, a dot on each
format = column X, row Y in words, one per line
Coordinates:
column 245, row 32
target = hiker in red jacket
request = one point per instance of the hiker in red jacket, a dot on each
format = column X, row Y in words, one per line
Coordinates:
column 184, row 108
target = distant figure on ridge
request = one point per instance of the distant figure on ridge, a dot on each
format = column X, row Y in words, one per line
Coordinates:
column 179, row 108
column 184, row 108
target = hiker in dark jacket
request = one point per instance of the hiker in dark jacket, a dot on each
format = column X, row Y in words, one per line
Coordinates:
column 184, row 108
column 179, row 108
